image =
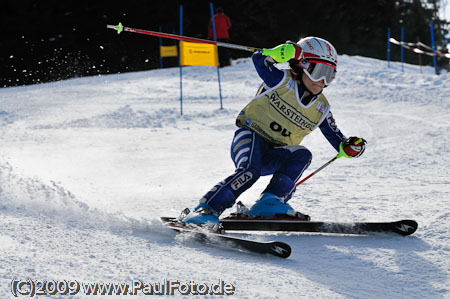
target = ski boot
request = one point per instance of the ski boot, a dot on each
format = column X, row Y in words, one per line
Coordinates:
column 203, row 216
column 270, row 206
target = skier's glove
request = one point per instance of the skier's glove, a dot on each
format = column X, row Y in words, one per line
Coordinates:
column 285, row 52
column 353, row 147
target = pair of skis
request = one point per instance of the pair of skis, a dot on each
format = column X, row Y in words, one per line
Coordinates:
column 281, row 249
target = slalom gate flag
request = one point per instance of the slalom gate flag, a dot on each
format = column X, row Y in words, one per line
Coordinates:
column 198, row 54
column 168, row 51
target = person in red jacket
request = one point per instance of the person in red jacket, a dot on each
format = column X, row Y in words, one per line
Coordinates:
column 222, row 24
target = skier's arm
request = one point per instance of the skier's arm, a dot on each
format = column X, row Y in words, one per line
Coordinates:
column 331, row 131
column 266, row 70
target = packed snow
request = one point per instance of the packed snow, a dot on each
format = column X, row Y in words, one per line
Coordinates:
column 88, row 165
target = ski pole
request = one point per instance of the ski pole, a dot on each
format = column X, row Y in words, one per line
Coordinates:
column 119, row 28
column 340, row 154
column 322, row 167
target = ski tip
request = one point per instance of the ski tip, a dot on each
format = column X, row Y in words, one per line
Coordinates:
column 405, row 227
column 280, row 249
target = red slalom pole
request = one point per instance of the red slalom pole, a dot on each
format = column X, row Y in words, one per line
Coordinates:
column 119, row 28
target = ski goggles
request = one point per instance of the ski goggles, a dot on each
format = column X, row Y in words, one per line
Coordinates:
column 318, row 70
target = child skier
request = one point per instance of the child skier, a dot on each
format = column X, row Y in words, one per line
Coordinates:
column 288, row 106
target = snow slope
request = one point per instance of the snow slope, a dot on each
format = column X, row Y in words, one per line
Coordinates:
column 88, row 165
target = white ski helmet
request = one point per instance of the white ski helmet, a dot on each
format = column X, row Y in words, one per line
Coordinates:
column 320, row 59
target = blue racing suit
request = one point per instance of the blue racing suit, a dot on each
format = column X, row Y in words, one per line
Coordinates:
column 253, row 156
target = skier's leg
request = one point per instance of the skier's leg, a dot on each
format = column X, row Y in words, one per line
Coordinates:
column 291, row 161
column 246, row 154
column 282, row 184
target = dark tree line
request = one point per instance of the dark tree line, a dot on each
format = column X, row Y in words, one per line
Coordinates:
column 51, row 40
